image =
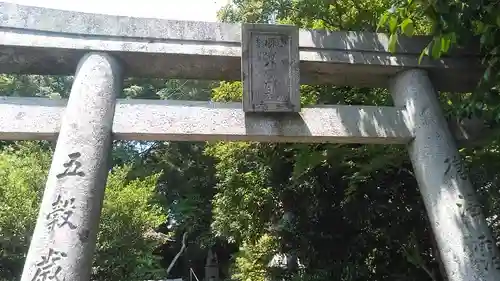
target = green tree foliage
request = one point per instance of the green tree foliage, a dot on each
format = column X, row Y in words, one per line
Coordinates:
column 22, row 171
column 129, row 210
column 457, row 23
column 333, row 15
column 250, row 261
column 35, row 86
column 126, row 238
column 334, row 206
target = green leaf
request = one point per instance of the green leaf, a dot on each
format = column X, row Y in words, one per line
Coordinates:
column 423, row 53
column 305, row 160
column 436, row 48
column 494, row 61
column 480, row 106
column 393, row 39
column 486, row 75
column 445, row 43
column 483, row 39
column 383, row 20
column 407, row 27
column 393, row 24
column 498, row 20
column 480, row 26
column 453, row 37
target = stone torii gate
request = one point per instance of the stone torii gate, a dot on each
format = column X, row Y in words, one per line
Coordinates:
column 100, row 50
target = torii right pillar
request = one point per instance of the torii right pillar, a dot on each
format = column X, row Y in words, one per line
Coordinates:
column 465, row 242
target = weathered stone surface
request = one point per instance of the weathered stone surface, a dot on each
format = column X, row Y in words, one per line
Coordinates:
column 37, row 118
column 198, row 121
column 64, row 239
column 466, row 246
column 270, row 68
column 30, row 118
column 46, row 41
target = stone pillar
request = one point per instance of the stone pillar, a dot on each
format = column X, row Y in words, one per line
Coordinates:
column 212, row 267
column 65, row 235
column 465, row 242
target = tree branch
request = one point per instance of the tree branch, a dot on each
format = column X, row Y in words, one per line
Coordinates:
column 183, row 248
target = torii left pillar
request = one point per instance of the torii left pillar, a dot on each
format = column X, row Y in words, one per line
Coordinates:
column 64, row 239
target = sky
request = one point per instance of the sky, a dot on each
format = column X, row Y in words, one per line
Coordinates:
column 199, row 10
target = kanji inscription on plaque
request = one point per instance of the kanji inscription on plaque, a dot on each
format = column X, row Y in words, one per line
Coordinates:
column 270, row 68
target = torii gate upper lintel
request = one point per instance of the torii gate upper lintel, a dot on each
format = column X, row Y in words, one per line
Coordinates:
column 270, row 60
column 47, row 41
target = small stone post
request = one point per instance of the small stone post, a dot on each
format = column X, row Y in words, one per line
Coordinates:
column 65, row 235
column 212, row 267
column 465, row 242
